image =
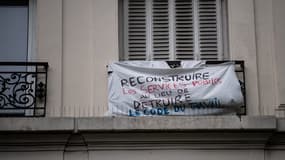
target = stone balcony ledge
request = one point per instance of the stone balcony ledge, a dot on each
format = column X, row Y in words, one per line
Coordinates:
column 174, row 123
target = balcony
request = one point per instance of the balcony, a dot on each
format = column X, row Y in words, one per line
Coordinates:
column 23, row 89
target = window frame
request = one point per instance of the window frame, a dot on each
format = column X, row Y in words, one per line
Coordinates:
column 222, row 30
column 32, row 43
column 31, row 25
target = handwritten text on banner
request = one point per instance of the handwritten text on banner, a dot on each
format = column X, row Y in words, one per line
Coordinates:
column 139, row 88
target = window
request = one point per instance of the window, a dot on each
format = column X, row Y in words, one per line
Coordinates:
column 16, row 30
column 172, row 30
column 19, row 81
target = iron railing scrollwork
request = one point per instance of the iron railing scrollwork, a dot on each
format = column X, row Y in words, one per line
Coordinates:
column 23, row 88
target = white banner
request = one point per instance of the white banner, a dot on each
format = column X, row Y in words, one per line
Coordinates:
column 152, row 88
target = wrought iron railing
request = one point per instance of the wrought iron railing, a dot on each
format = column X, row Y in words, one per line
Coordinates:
column 240, row 71
column 23, row 89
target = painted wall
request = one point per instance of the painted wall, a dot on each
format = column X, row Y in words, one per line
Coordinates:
column 79, row 38
column 279, row 41
column 43, row 155
column 147, row 154
column 179, row 154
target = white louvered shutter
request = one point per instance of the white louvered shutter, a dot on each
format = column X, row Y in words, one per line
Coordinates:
column 184, row 29
column 160, row 30
column 135, row 29
column 172, row 30
column 209, row 33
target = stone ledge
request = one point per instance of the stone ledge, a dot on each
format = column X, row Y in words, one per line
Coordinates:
column 178, row 123
column 158, row 123
column 259, row 122
column 36, row 124
column 142, row 123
